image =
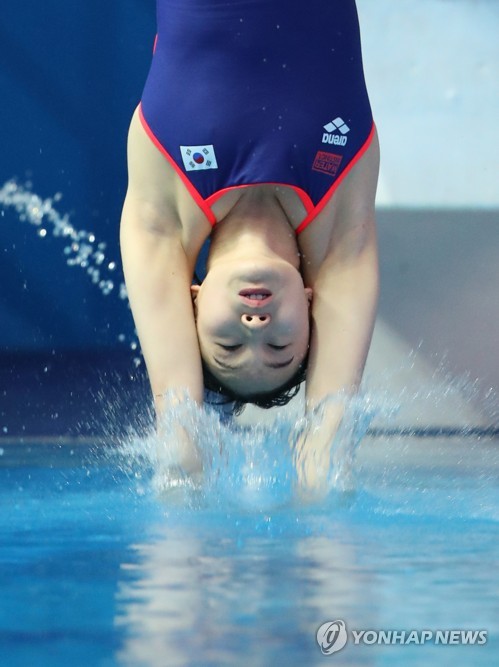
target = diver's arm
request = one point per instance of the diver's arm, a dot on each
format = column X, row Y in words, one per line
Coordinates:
column 341, row 265
column 157, row 280
column 158, row 286
column 158, row 275
column 343, row 312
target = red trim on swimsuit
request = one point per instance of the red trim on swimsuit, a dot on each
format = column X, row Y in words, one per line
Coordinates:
column 206, row 204
column 304, row 197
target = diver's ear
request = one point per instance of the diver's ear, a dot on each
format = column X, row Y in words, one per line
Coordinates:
column 309, row 293
column 194, row 292
column 194, row 296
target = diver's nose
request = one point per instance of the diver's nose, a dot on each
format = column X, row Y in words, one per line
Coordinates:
column 255, row 321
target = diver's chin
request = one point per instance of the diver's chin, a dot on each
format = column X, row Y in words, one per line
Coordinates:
column 269, row 276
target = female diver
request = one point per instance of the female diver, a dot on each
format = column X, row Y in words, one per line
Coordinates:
column 255, row 130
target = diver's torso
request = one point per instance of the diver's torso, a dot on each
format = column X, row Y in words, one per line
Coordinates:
column 256, row 92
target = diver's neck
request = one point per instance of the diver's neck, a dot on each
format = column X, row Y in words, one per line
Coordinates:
column 256, row 227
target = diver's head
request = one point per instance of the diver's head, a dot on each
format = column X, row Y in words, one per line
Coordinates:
column 252, row 318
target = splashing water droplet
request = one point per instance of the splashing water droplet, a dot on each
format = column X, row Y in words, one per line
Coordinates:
column 84, row 250
column 123, row 292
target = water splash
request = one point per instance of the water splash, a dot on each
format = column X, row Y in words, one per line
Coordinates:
column 82, row 249
column 250, row 466
column 436, row 402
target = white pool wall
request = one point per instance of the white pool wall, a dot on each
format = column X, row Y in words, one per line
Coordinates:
column 432, row 69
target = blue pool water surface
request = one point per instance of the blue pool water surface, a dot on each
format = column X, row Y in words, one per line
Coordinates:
column 98, row 568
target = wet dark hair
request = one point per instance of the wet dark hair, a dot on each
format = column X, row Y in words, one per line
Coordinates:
column 219, row 394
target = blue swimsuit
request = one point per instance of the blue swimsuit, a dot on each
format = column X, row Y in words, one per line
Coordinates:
column 247, row 92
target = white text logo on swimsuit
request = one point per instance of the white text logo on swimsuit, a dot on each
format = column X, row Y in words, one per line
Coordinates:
column 331, row 135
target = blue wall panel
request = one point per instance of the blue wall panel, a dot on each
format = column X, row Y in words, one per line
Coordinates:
column 71, row 74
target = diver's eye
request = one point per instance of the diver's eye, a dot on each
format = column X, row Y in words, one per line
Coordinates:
column 229, row 348
column 277, row 347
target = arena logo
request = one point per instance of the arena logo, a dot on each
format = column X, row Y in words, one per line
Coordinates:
column 331, row 136
column 333, row 636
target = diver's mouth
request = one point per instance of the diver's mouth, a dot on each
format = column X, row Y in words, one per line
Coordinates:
column 255, row 297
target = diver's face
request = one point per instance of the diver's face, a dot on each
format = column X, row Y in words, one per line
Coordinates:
column 253, row 323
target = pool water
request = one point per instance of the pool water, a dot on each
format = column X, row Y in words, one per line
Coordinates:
column 97, row 568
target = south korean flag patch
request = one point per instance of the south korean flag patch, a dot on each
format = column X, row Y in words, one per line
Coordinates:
column 198, row 157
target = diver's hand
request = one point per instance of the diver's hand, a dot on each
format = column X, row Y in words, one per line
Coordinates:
column 179, row 467
column 314, row 455
column 179, row 462
column 177, row 448
column 312, row 459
